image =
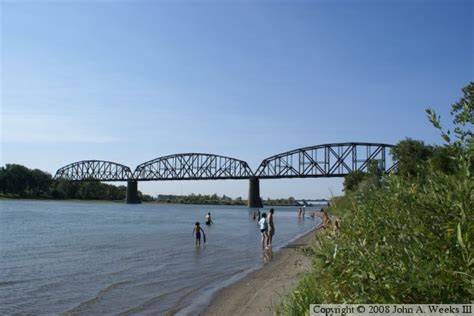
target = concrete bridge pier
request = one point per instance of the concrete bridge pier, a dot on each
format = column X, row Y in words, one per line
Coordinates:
column 132, row 192
column 254, row 193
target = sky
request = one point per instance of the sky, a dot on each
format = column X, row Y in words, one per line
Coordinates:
column 130, row 81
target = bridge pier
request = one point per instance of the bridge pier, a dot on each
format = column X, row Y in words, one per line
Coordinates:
column 254, row 193
column 132, row 192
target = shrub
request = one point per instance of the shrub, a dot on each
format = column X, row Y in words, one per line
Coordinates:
column 407, row 239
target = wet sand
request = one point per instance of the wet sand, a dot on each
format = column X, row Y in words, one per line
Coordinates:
column 260, row 292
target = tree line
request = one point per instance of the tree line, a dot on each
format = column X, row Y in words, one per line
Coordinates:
column 18, row 181
column 219, row 200
column 200, row 199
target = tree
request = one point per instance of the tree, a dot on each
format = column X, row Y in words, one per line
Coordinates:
column 3, row 182
column 68, row 189
column 16, row 179
column 39, row 181
column 291, row 200
column 411, row 155
column 352, row 180
column 442, row 159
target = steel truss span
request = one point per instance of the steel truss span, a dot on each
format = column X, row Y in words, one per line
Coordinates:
column 94, row 170
column 328, row 160
column 192, row 166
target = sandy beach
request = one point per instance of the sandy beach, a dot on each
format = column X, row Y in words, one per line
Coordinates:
column 260, row 292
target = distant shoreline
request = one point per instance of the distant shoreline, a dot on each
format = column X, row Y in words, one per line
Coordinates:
column 6, row 198
column 143, row 202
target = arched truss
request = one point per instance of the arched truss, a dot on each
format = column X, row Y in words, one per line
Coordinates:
column 94, row 170
column 328, row 160
column 193, row 166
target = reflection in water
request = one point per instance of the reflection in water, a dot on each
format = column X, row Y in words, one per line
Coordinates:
column 267, row 255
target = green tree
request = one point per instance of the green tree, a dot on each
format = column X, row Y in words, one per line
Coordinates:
column 442, row 159
column 3, row 181
column 411, row 156
column 291, row 201
column 68, row 189
column 352, row 180
column 40, row 182
column 372, row 177
column 16, row 179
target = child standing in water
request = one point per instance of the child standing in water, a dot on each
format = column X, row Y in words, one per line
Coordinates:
column 197, row 230
column 264, row 229
column 209, row 219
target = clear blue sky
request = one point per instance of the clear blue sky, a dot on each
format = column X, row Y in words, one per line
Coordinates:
column 131, row 81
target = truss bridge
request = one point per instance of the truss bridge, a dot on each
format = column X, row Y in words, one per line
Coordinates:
column 327, row 160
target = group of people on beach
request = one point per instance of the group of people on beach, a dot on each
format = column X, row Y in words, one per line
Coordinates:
column 325, row 220
column 198, row 229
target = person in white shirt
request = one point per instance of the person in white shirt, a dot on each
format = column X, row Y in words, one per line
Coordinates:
column 263, row 224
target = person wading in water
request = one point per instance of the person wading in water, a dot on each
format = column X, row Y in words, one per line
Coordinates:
column 271, row 228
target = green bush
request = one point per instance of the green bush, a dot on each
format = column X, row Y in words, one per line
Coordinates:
column 407, row 239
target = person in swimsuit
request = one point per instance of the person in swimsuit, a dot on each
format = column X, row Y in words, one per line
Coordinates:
column 271, row 227
column 263, row 225
column 337, row 225
column 209, row 219
column 326, row 219
column 197, row 230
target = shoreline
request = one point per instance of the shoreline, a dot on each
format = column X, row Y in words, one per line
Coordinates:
column 261, row 291
column 6, row 198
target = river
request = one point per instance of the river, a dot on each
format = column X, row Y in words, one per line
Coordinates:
column 90, row 258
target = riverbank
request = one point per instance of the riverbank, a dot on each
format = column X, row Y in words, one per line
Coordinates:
column 260, row 292
column 50, row 198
